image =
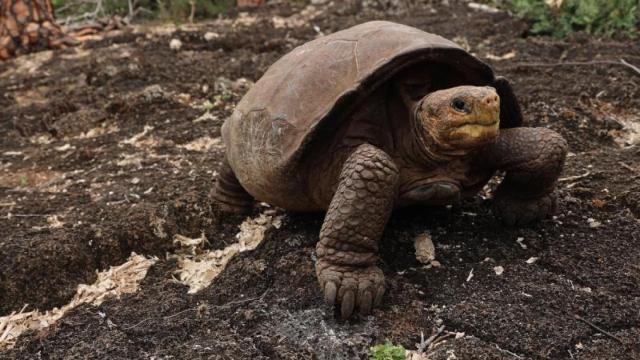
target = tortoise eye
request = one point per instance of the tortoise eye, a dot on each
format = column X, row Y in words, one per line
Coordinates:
column 459, row 105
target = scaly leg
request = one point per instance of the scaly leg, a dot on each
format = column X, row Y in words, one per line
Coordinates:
column 533, row 159
column 229, row 195
column 348, row 246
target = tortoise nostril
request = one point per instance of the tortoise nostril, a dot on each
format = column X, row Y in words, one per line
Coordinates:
column 491, row 100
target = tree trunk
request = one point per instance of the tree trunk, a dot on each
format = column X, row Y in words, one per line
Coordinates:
column 28, row 25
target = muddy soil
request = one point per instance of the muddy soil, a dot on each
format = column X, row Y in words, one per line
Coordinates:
column 113, row 147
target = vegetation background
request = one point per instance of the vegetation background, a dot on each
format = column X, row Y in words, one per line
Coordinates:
column 558, row 17
column 168, row 10
column 550, row 17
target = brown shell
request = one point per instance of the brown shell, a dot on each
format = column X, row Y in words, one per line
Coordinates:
column 311, row 86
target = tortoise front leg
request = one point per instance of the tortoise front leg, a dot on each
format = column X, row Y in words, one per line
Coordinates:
column 533, row 159
column 348, row 247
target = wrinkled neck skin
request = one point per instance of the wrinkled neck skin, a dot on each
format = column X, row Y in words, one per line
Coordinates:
column 432, row 173
column 419, row 146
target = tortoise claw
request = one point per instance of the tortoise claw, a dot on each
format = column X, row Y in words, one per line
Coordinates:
column 330, row 292
column 348, row 304
column 378, row 298
column 351, row 288
column 366, row 303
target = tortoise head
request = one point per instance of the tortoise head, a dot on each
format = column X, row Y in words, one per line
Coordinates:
column 460, row 118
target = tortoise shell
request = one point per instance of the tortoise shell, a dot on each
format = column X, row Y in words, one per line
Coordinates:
column 315, row 85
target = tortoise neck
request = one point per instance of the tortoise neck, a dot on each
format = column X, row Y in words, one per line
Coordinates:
column 421, row 147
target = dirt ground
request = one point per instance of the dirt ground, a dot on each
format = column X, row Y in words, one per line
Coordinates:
column 113, row 147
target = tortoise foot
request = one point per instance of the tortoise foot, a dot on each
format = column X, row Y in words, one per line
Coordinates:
column 231, row 198
column 239, row 209
column 513, row 211
column 351, row 286
column 228, row 195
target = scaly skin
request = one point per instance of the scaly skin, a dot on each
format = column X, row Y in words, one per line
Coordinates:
column 532, row 159
column 228, row 194
column 348, row 246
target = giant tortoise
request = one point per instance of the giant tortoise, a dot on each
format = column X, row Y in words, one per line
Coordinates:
column 376, row 117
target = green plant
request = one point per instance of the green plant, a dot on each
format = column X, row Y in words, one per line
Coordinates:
column 387, row 351
column 174, row 10
column 599, row 17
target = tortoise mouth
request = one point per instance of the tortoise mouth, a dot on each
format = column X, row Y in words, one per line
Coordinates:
column 479, row 122
column 480, row 117
column 476, row 130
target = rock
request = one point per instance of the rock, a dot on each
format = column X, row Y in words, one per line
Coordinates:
column 425, row 251
column 175, row 44
column 241, row 84
column 209, row 35
column 153, row 93
column 222, row 84
column 593, row 223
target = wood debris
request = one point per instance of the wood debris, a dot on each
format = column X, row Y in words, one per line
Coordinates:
column 198, row 267
column 114, row 282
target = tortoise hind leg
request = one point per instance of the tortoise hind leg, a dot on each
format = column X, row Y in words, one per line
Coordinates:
column 228, row 194
column 348, row 247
